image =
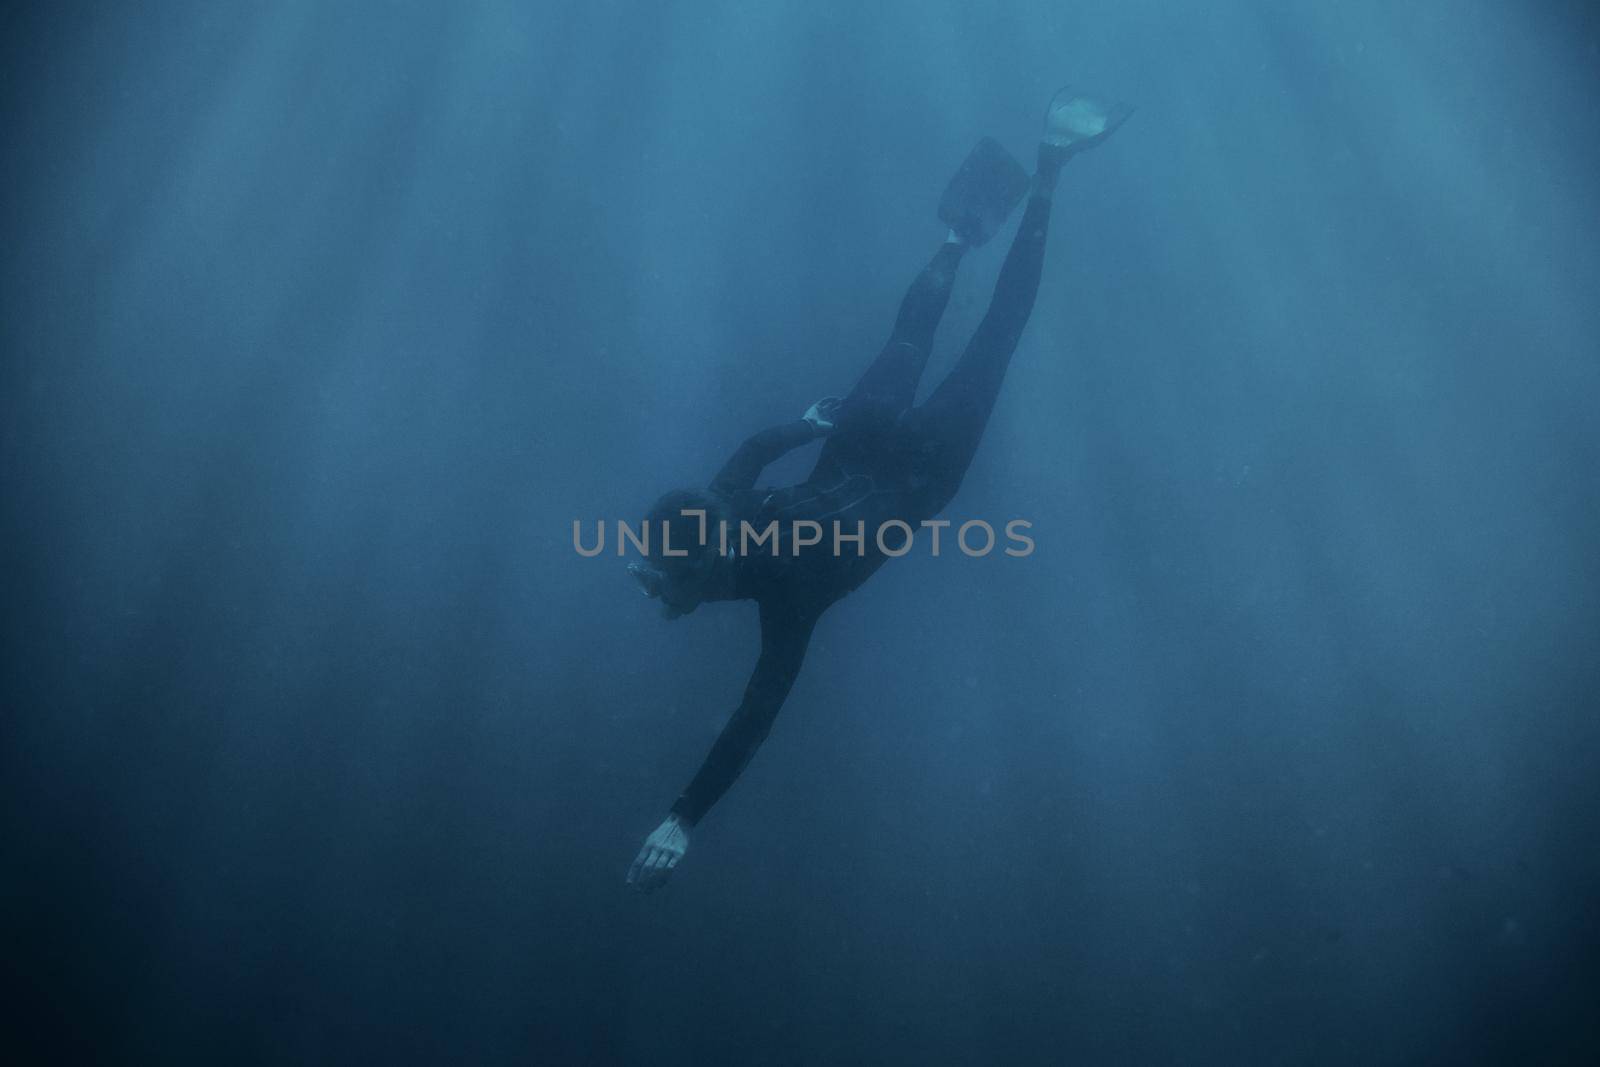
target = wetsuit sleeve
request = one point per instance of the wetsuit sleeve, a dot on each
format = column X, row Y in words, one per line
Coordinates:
column 740, row 472
column 784, row 636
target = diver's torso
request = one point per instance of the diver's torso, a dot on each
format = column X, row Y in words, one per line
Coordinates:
column 814, row 542
column 817, row 541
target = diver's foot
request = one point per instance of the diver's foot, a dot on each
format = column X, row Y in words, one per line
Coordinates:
column 1075, row 122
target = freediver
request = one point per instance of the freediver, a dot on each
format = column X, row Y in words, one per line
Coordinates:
column 884, row 459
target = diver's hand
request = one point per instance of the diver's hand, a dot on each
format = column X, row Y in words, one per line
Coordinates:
column 821, row 414
column 661, row 852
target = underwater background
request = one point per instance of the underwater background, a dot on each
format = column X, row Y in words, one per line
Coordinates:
column 322, row 322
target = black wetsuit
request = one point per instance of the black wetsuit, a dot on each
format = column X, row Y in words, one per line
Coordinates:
column 885, row 460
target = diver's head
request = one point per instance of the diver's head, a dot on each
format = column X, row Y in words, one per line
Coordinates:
column 681, row 566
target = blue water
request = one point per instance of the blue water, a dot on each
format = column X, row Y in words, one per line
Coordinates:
column 322, row 322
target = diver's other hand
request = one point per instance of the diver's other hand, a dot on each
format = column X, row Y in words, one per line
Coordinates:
column 821, row 414
column 661, row 852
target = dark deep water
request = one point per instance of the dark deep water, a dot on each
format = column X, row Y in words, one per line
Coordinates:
column 321, row 322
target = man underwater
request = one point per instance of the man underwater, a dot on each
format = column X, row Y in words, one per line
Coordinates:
column 884, row 459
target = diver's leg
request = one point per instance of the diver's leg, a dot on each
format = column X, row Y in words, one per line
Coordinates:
column 891, row 381
column 952, row 420
column 976, row 202
column 943, row 433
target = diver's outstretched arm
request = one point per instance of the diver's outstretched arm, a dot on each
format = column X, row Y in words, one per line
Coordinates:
column 785, row 633
column 746, row 465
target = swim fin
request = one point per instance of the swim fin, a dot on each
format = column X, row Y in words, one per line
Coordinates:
column 982, row 193
column 1076, row 121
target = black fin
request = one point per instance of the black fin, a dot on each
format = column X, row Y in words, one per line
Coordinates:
column 982, row 193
